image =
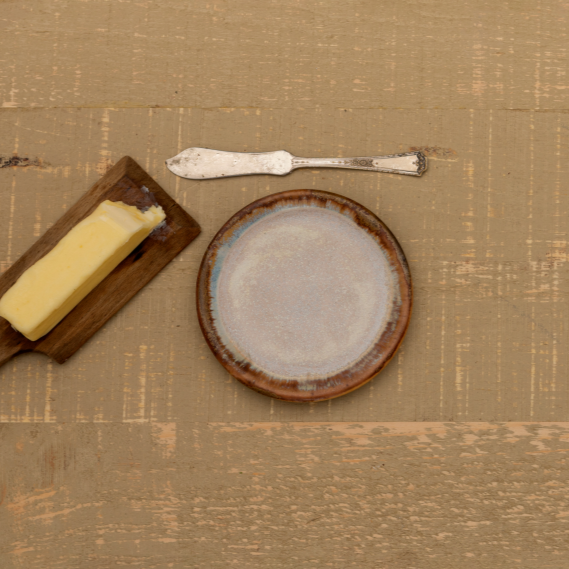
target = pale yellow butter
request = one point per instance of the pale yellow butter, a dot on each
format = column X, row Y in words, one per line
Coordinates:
column 47, row 291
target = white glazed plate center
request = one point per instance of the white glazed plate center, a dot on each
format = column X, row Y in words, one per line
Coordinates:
column 303, row 293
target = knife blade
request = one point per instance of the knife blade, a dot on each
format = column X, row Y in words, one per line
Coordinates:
column 205, row 163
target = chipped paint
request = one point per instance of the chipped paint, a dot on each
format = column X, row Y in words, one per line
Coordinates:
column 435, row 490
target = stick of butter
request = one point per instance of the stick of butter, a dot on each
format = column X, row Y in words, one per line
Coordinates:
column 47, row 291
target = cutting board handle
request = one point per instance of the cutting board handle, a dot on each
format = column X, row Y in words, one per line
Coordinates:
column 11, row 342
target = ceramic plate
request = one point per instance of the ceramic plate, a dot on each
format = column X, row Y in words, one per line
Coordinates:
column 304, row 295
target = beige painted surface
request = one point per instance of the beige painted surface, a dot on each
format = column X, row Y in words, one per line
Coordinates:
column 485, row 232
column 272, row 495
column 300, row 53
column 141, row 464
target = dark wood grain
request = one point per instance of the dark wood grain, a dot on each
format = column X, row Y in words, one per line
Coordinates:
column 129, row 183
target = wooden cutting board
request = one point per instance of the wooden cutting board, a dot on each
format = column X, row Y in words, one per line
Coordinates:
column 129, row 183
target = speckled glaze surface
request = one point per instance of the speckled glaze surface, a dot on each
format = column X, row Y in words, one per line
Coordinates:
column 248, row 368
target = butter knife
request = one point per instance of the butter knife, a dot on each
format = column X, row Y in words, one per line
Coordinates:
column 204, row 163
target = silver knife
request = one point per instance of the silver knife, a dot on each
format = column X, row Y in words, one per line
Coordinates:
column 204, row 163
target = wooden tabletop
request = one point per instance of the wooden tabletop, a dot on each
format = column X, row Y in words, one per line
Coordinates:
column 141, row 451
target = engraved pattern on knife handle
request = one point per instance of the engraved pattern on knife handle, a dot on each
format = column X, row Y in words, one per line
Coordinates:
column 409, row 163
column 363, row 162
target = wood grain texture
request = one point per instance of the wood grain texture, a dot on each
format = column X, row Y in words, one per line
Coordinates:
column 265, row 54
column 366, row 495
column 128, row 183
column 132, row 472
column 484, row 231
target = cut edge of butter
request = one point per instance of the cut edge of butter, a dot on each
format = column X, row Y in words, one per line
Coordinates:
column 48, row 290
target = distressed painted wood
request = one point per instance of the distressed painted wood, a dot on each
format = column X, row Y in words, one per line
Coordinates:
column 156, row 457
column 129, row 183
column 484, row 230
column 298, row 54
column 366, row 495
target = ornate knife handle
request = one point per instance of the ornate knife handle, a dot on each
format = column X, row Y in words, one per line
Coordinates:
column 410, row 163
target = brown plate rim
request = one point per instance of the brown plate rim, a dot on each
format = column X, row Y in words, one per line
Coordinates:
column 362, row 371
